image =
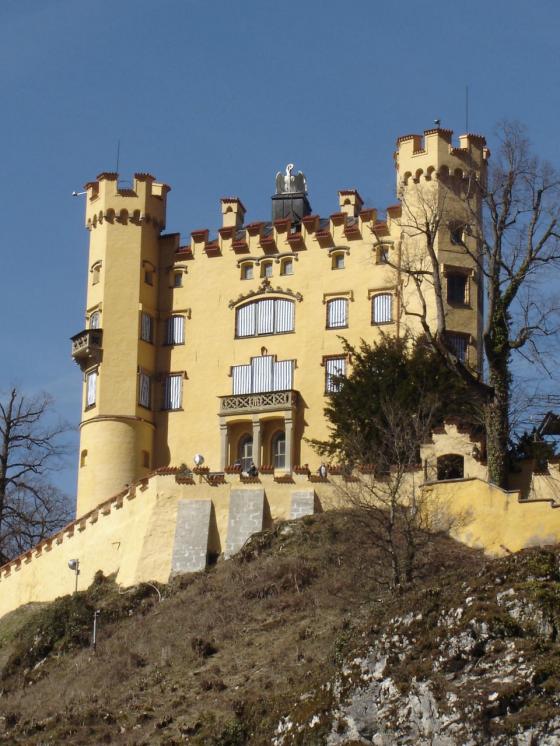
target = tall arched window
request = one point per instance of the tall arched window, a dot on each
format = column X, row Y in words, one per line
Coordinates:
column 95, row 320
column 245, row 452
column 279, row 450
column 266, row 316
column 382, row 308
column 337, row 313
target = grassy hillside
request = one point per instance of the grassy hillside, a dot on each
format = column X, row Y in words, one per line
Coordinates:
column 273, row 646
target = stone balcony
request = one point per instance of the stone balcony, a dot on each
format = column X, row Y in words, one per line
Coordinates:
column 270, row 401
column 87, row 347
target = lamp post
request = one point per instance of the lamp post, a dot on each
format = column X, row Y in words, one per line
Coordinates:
column 74, row 565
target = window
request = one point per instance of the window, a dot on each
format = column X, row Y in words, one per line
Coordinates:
column 450, row 466
column 266, row 269
column 148, row 277
column 335, row 367
column 91, row 389
column 83, row 459
column 287, row 267
column 95, row 273
column 144, row 390
column 270, row 316
column 245, row 452
column 147, row 327
column 382, row 255
column 175, row 330
column 381, row 308
column 263, row 374
column 178, row 280
column 456, row 235
column 337, row 261
column 146, row 459
column 246, row 271
column 279, row 450
column 457, row 284
column 173, row 391
column 457, row 344
column 95, row 320
column 337, row 313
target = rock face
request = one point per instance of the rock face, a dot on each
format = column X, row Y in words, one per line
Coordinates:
column 469, row 665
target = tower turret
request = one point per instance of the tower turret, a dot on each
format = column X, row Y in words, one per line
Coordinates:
column 437, row 187
column 116, row 350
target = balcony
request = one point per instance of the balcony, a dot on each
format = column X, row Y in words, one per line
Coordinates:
column 270, row 401
column 87, row 347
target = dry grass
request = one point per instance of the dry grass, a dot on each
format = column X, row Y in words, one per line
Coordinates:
column 223, row 654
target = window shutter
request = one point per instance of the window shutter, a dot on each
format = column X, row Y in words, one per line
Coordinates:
column 265, row 316
column 241, row 375
column 246, row 320
column 172, row 391
column 175, row 330
column 91, row 385
column 262, row 374
column 284, row 316
column 282, row 375
column 337, row 313
column 144, row 390
column 146, row 330
column 382, row 308
column 334, row 367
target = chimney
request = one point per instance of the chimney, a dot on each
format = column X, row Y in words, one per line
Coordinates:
column 350, row 202
column 233, row 212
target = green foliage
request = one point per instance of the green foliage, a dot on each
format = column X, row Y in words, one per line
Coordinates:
column 393, row 374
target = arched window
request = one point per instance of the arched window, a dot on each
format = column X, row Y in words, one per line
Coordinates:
column 267, row 316
column 247, row 271
column 287, row 267
column 450, row 466
column 95, row 273
column 279, row 450
column 245, row 452
column 266, row 269
column 382, row 308
column 95, row 320
column 337, row 313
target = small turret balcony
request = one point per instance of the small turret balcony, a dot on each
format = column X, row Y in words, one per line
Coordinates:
column 87, row 347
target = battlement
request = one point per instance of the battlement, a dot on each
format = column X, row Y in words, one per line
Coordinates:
column 433, row 155
column 142, row 203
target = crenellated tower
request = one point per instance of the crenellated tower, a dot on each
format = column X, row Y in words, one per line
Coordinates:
column 116, row 350
column 437, row 184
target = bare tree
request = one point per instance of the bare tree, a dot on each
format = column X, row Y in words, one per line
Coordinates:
column 509, row 222
column 30, row 446
column 387, row 498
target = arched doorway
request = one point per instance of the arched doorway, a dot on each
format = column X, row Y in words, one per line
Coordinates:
column 245, row 452
column 450, row 466
column 278, row 448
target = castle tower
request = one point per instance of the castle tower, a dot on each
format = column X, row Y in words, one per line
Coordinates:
column 436, row 186
column 116, row 350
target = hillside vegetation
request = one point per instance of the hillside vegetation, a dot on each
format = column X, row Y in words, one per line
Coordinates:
column 297, row 640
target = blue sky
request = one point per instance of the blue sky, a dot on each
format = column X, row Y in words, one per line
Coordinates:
column 214, row 97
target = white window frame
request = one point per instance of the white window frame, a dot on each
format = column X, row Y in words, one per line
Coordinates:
column 334, row 366
column 265, row 317
column 337, row 313
column 172, row 392
column 382, row 309
column 91, row 388
column 262, row 375
column 146, row 327
column 175, row 330
column 145, row 390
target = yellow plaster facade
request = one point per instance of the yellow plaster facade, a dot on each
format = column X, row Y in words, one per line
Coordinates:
column 167, row 364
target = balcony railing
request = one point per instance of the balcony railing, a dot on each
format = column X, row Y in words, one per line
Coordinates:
column 269, row 401
column 87, row 346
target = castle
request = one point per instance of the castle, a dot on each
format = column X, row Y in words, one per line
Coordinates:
column 227, row 346
column 206, row 368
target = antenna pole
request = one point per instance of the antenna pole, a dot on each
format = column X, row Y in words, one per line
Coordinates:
column 466, row 108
